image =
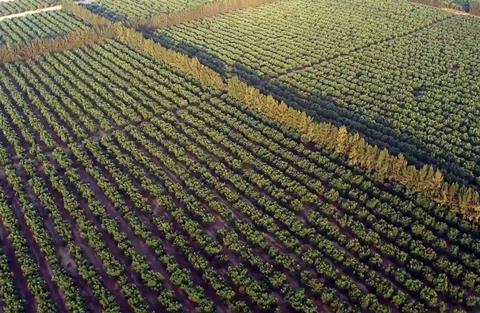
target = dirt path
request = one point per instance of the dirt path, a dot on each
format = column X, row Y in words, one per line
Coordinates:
column 52, row 8
column 454, row 11
column 459, row 12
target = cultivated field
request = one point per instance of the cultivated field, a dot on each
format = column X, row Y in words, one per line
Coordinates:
column 154, row 168
column 135, row 179
column 406, row 78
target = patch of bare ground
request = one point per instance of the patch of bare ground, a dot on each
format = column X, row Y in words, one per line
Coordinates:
column 149, row 294
column 62, row 251
column 137, row 242
column 340, row 248
column 458, row 12
column 211, row 230
column 88, row 252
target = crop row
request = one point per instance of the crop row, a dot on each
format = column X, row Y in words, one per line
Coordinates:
column 145, row 191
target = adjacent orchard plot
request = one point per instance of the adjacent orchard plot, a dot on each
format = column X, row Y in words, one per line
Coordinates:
column 49, row 24
column 425, row 87
column 403, row 75
column 18, row 6
column 275, row 38
column 129, row 184
column 128, row 10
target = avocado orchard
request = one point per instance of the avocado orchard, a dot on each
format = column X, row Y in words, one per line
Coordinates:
column 136, row 179
column 174, row 196
column 403, row 75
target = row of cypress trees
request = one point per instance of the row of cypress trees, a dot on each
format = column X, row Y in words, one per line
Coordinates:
column 381, row 163
column 20, row 52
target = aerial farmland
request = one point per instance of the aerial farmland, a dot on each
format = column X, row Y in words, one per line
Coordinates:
column 239, row 156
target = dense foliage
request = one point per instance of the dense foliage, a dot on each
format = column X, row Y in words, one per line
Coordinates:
column 136, row 179
column 129, row 186
column 275, row 38
column 428, row 96
column 406, row 78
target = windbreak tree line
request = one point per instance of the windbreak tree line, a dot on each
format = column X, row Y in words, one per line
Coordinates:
column 427, row 180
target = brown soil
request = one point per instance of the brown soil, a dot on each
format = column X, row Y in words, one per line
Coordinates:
column 457, row 12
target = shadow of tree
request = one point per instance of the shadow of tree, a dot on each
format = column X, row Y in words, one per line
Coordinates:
column 324, row 109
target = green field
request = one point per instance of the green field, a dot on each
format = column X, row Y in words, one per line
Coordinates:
column 135, row 179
